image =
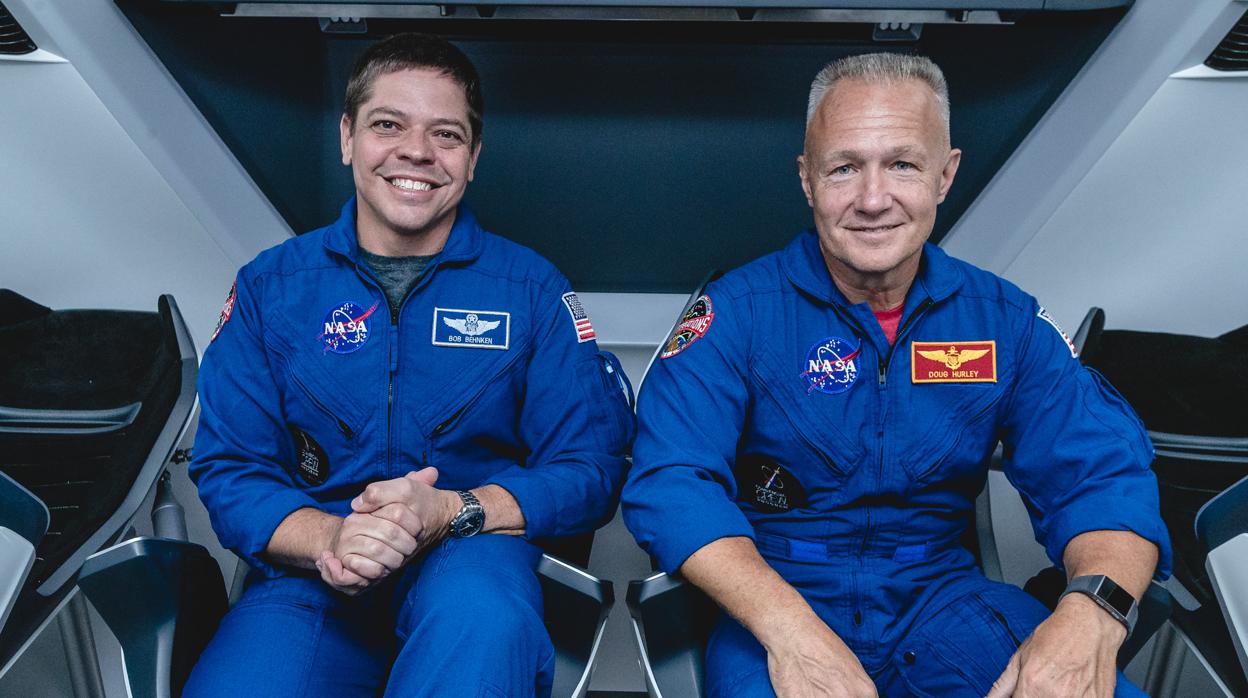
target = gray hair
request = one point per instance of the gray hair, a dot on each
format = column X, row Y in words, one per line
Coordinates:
column 880, row 67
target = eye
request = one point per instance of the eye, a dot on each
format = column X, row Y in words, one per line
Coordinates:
column 449, row 136
column 841, row 171
column 385, row 126
column 904, row 166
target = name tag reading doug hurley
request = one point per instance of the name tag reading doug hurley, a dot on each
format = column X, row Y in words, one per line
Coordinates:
column 953, row 362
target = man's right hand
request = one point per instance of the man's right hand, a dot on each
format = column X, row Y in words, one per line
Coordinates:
column 804, row 656
column 811, row 661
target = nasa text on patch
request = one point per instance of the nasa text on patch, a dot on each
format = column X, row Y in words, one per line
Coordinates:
column 953, row 362
column 693, row 325
column 345, row 328
column 580, row 319
column 831, row 366
column 472, row 329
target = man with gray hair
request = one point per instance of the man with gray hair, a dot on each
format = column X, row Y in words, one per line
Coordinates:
column 814, row 435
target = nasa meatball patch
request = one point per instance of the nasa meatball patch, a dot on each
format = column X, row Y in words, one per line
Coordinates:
column 693, row 325
column 831, row 366
column 311, row 462
column 953, row 362
column 345, row 328
column 226, row 311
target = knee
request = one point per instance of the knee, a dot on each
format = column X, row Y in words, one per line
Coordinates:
column 510, row 609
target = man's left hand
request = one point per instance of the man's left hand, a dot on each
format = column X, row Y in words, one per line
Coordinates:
column 1071, row 654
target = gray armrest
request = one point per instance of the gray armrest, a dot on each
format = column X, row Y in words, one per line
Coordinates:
column 163, row 600
column 672, row 622
column 23, row 522
column 577, row 604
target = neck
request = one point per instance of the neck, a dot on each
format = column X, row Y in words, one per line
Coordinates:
column 880, row 290
column 388, row 243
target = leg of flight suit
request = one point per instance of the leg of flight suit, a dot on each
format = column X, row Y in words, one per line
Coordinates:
column 471, row 622
column 736, row 664
column 965, row 642
column 295, row 637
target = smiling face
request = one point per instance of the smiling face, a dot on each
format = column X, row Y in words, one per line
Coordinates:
column 411, row 154
column 876, row 164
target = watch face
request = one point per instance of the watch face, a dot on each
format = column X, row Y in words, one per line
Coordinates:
column 1117, row 597
column 468, row 523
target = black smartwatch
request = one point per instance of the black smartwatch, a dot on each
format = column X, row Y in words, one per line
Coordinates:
column 1109, row 596
column 471, row 516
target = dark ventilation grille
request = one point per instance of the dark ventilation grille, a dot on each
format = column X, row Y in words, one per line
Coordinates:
column 13, row 39
column 1232, row 53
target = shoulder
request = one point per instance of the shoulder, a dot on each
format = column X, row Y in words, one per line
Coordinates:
column 506, row 260
column 299, row 253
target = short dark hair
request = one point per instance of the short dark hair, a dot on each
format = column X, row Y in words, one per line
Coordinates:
column 410, row 52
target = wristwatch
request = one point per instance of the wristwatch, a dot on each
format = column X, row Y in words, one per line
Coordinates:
column 471, row 516
column 1109, row 596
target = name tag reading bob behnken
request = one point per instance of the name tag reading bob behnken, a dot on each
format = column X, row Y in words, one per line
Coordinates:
column 474, row 329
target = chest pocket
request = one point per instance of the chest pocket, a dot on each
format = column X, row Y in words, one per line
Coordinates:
column 960, row 431
column 782, row 404
column 316, row 404
column 470, row 435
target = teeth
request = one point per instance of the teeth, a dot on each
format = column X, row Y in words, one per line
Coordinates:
column 411, row 185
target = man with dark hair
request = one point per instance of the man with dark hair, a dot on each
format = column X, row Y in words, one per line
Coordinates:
column 812, row 440
column 392, row 409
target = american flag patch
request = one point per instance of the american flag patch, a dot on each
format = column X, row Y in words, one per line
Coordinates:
column 580, row 319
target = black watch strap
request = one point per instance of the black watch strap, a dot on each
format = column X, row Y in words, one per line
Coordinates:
column 1116, row 601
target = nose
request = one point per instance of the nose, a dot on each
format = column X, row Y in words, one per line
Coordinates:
column 874, row 196
column 415, row 147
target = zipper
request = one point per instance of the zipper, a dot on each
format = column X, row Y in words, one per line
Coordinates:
column 345, row 428
column 888, row 358
column 450, row 422
column 801, row 435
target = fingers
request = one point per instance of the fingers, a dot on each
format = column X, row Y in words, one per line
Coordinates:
column 336, row 576
column 408, row 523
column 398, row 490
column 428, row 476
column 1005, row 684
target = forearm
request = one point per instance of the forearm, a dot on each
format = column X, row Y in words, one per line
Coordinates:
column 1120, row 555
column 502, row 511
column 731, row 572
column 302, row 536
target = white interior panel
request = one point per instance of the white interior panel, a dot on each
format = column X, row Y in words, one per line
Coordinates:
column 1157, row 233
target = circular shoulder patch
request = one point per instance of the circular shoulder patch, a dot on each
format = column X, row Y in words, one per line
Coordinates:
column 226, row 311
column 345, row 328
column 693, row 325
column 831, row 366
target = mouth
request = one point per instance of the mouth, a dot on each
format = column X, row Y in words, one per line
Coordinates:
column 873, row 229
column 407, row 184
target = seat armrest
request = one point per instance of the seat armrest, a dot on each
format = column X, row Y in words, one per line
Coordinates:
column 163, row 600
column 23, row 523
column 1228, row 572
column 672, row 621
column 576, row 608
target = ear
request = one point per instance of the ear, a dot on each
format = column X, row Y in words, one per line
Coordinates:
column 344, row 139
column 805, row 177
column 472, row 161
column 947, row 174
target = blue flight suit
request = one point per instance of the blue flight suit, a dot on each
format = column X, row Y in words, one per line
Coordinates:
column 310, row 391
column 781, row 413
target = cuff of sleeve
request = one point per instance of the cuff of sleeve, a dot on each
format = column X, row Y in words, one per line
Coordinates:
column 671, row 534
column 534, row 498
column 255, row 525
column 1109, row 516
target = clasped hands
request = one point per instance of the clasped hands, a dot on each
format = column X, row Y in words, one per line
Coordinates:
column 390, row 523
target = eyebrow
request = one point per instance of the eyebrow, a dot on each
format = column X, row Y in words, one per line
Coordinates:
column 905, row 150
column 399, row 114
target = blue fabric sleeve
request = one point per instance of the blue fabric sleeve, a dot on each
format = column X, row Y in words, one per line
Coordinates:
column 577, row 425
column 680, row 493
column 242, row 439
column 1076, row 450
